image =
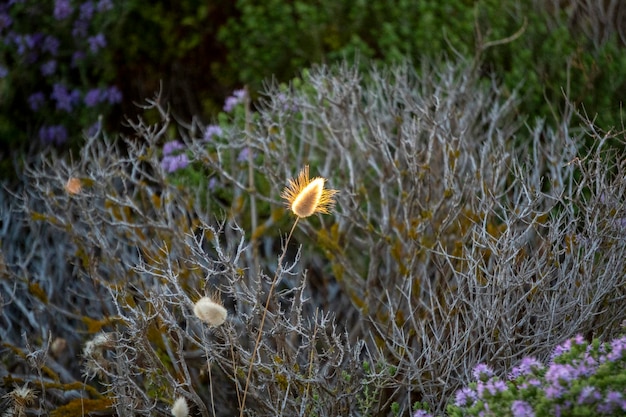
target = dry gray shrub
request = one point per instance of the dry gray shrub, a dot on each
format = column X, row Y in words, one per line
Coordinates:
column 462, row 234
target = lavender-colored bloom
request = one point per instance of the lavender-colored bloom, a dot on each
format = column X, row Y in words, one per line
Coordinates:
column 96, row 42
column 93, row 97
column 94, row 129
column 112, row 94
column 232, row 101
column 53, row 134
column 422, row 413
column 104, row 5
column 62, row 9
column 212, row 130
column 5, row 21
column 521, row 408
column 51, row 45
column 170, row 147
column 589, row 395
column 36, row 100
column 533, row 382
column 559, row 374
column 212, row 183
column 527, row 366
column 64, row 99
column 465, row 397
column 587, row 366
column 3, row 71
column 613, row 400
column 553, row 391
column 80, row 29
column 48, row 68
column 482, row 372
column 566, row 346
column 173, row 163
column 495, row 386
column 77, row 57
column 243, row 155
column 618, row 350
column 24, row 43
column 86, row 10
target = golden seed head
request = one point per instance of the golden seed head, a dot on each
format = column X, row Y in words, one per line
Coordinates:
column 210, row 312
column 305, row 196
column 180, row 408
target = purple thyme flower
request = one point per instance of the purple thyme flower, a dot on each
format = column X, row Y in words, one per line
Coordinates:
column 587, row 366
column 212, row 130
column 104, row 5
column 53, row 134
column 94, row 129
column 64, row 98
column 422, row 413
column 243, row 155
column 96, row 42
column 527, row 366
column 558, row 373
column 112, row 94
column 48, row 68
column 36, row 100
column 589, row 395
column 465, row 397
column 93, row 97
column 482, row 372
column 170, row 147
column 5, row 21
column 618, row 350
column 495, row 386
column 62, row 9
column 50, row 44
column 77, row 57
column 80, row 29
column 614, row 400
column 86, row 10
column 567, row 346
column 522, row 409
column 232, row 101
column 3, row 71
column 173, row 163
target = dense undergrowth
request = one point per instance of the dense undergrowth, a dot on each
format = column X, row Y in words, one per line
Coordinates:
column 462, row 234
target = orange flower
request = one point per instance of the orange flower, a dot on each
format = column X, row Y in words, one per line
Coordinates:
column 306, row 196
column 73, row 185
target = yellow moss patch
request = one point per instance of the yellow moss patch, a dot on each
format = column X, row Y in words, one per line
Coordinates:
column 81, row 407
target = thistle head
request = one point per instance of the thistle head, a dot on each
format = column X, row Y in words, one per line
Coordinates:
column 305, row 196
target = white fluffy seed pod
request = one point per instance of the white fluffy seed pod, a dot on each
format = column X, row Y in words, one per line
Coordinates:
column 212, row 313
column 180, row 408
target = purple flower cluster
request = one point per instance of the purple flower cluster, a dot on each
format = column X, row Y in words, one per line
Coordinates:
column 95, row 96
column 212, row 131
column 45, row 41
column 173, row 158
column 567, row 382
column 231, row 102
column 53, row 134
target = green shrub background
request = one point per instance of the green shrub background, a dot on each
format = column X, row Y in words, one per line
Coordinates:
column 198, row 52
